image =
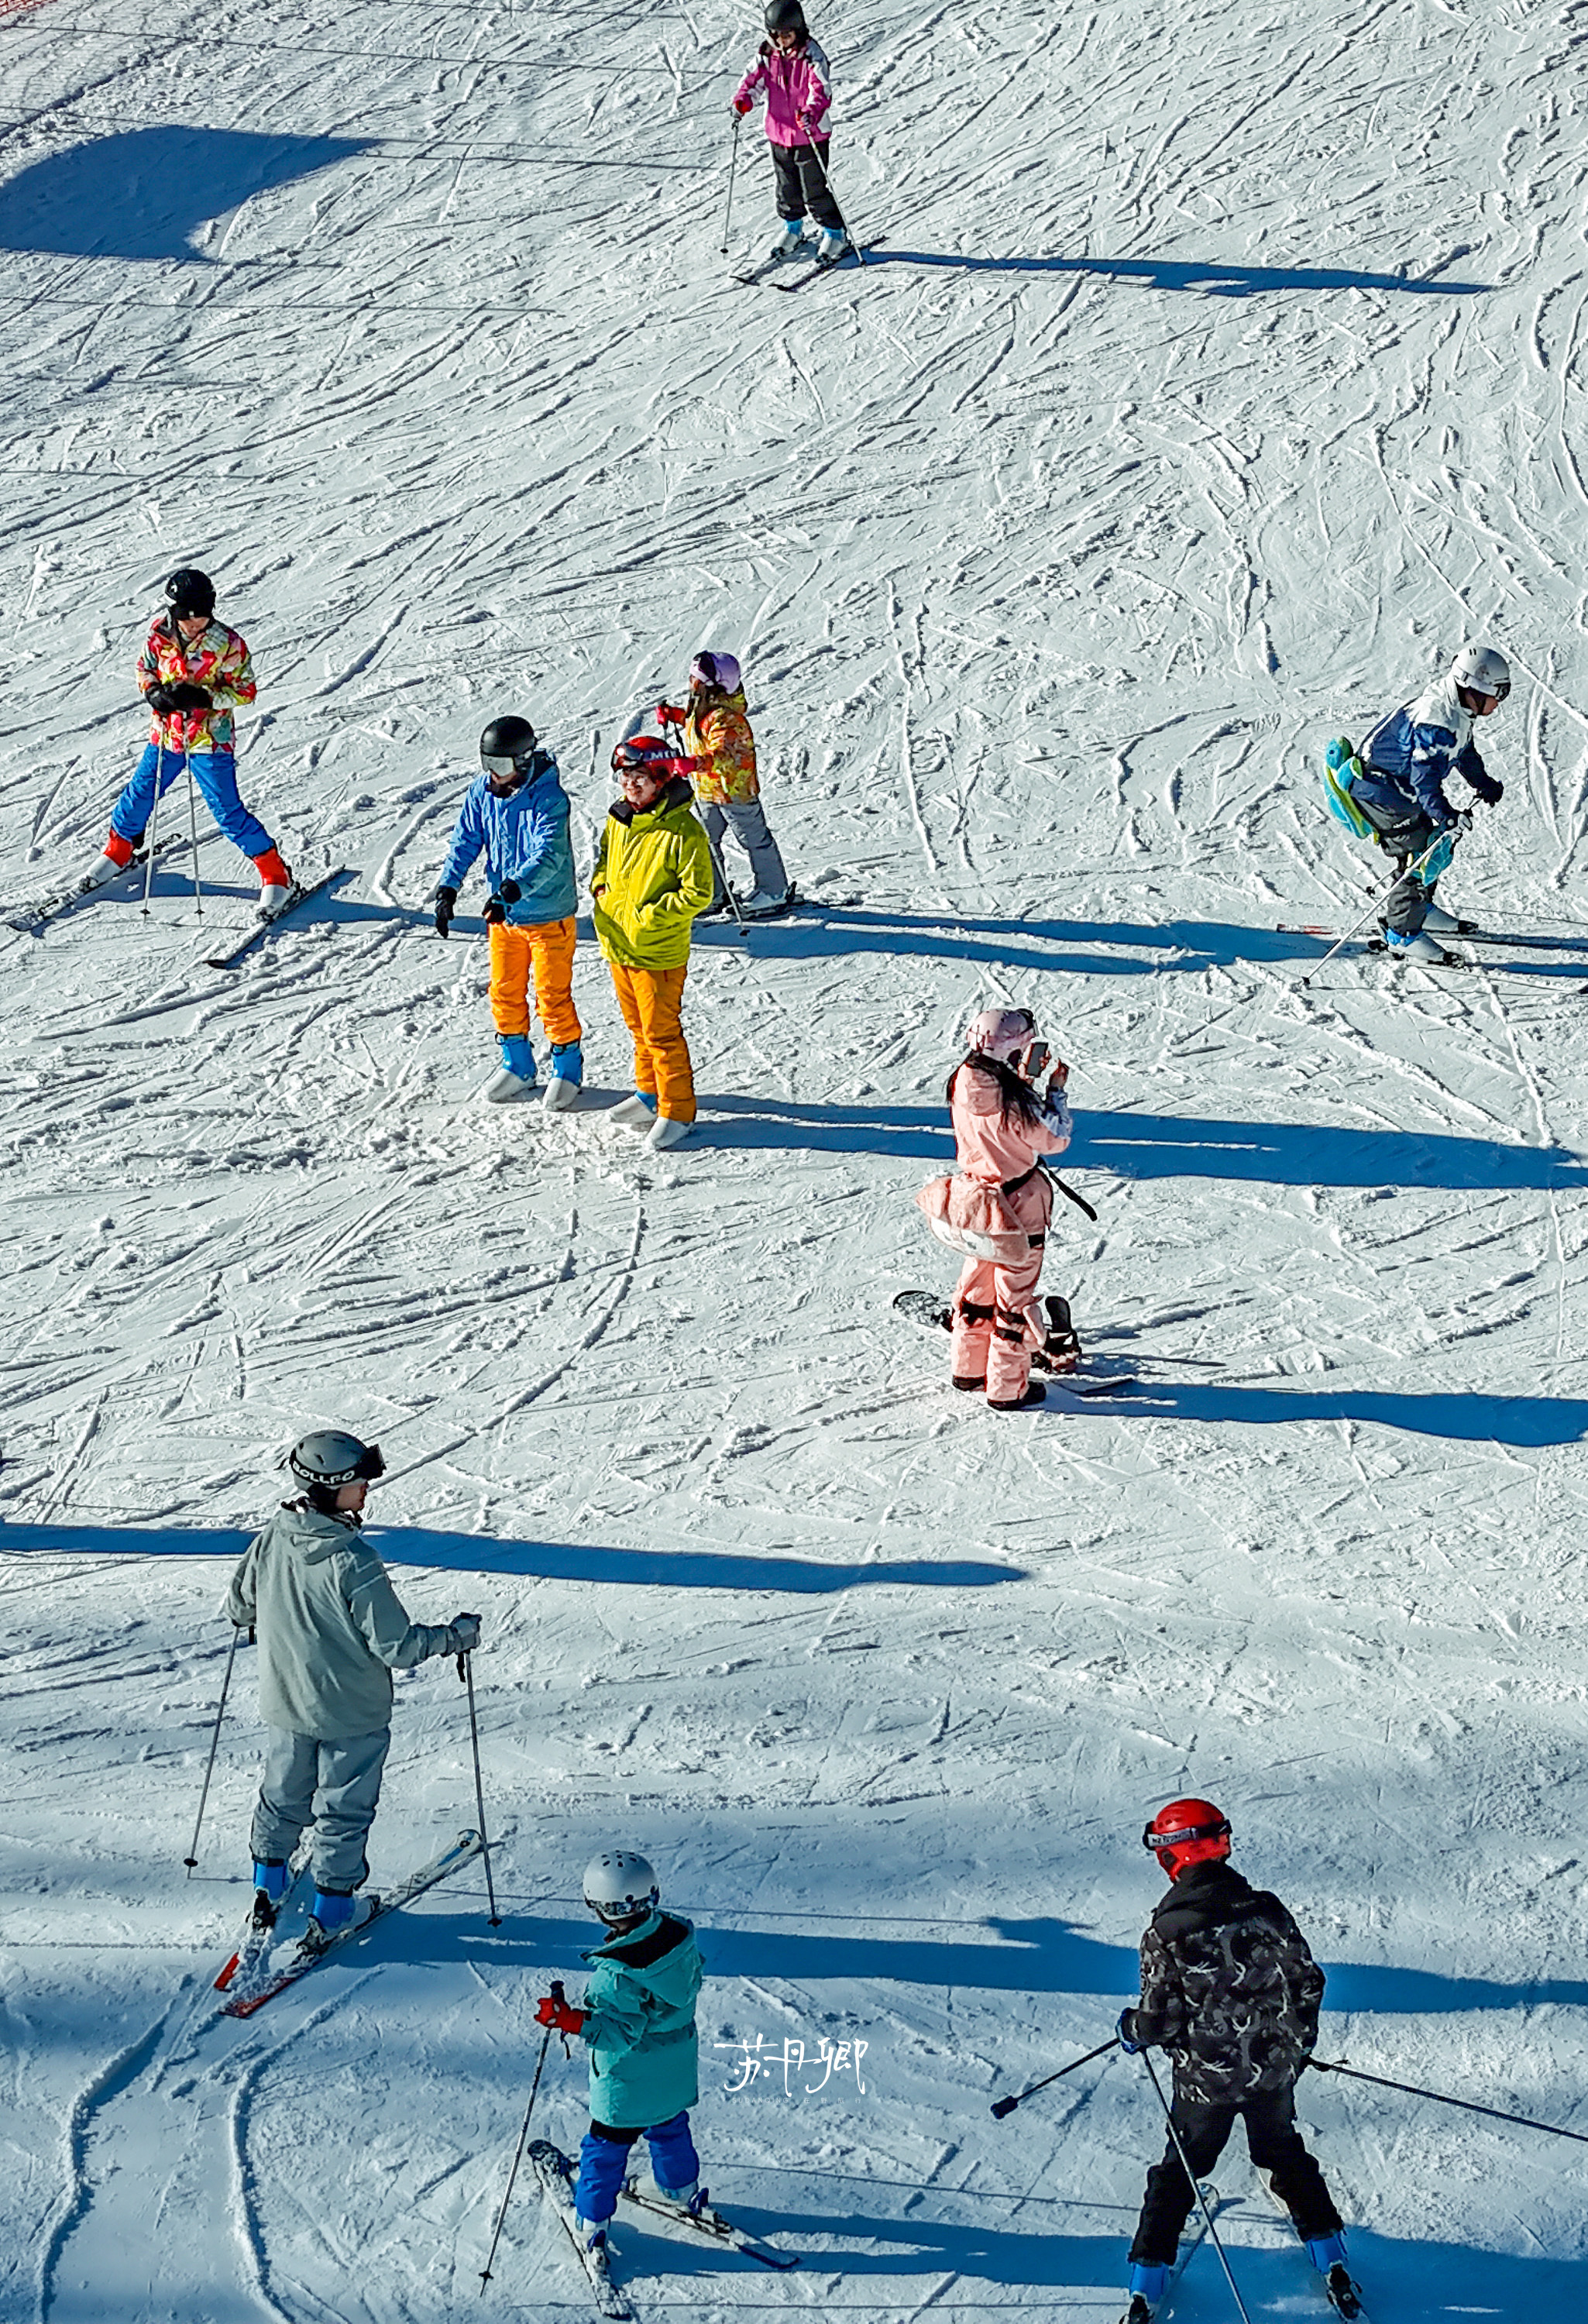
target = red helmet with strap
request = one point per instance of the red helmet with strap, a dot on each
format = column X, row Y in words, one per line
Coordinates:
column 1187, row 1831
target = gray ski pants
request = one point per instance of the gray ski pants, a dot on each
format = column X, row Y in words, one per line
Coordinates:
column 334, row 1785
column 747, row 820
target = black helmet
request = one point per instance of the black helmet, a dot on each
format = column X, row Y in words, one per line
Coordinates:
column 786, row 17
column 507, row 752
column 327, row 1459
column 188, row 592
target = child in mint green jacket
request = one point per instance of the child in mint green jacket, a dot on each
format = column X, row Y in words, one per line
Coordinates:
column 639, row 2020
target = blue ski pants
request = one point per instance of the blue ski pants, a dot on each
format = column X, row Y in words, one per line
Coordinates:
column 216, row 774
column 603, row 2163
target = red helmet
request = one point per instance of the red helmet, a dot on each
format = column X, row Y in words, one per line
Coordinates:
column 1187, row 1831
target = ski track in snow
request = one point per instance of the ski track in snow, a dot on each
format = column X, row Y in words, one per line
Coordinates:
column 1215, row 376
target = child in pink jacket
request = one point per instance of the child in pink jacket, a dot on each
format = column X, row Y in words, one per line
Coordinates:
column 798, row 81
column 1002, row 1127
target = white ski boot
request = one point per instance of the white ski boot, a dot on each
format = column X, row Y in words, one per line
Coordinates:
column 831, row 243
column 514, row 1079
column 669, row 1132
column 1421, row 947
column 789, row 240
column 636, row 1113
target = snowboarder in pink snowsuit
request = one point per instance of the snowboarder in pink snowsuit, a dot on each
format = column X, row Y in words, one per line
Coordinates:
column 1002, row 1127
column 798, row 80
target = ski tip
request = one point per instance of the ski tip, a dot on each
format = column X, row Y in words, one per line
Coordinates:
column 228, row 1974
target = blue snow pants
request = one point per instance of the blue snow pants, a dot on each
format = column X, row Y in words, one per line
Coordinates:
column 603, row 2162
column 216, row 774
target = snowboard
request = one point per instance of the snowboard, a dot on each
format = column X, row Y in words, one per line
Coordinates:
column 1058, row 1360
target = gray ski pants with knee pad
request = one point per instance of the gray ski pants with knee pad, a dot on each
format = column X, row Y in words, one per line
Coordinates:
column 335, row 1786
column 746, row 820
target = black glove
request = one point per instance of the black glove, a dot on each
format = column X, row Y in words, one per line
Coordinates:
column 185, row 695
column 510, row 892
column 1127, row 2042
column 1489, row 788
column 161, row 699
column 444, row 900
column 496, row 911
column 466, row 1633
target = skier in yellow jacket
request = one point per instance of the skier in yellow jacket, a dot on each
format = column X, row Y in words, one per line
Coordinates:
column 727, row 788
column 652, row 878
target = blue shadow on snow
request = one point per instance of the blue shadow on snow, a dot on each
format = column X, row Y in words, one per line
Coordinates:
column 1523, row 1421
column 144, row 193
column 1037, row 1956
column 1217, row 277
column 465, row 1552
column 1164, row 1145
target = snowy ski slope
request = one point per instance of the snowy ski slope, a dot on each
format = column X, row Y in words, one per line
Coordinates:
column 1220, row 369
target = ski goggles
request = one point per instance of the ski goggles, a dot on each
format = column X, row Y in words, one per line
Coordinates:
column 1495, row 694
column 1158, row 1840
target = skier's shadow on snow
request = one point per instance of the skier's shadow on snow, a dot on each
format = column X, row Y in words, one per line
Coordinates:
column 1164, row 1145
column 145, row 193
column 1177, row 947
column 1215, row 278
column 1035, row 1956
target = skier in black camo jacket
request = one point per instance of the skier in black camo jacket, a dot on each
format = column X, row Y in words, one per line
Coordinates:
column 1230, row 1991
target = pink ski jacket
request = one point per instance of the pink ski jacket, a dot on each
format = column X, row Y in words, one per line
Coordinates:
column 795, row 84
column 991, row 1149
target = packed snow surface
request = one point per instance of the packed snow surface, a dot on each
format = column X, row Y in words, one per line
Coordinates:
column 1216, row 371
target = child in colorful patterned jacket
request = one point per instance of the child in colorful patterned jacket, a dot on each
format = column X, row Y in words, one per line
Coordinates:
column 721, row 763
column 794, row 73
column 193, row 669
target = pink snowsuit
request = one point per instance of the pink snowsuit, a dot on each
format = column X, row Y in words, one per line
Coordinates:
column 997, row 1322
column 795, row 83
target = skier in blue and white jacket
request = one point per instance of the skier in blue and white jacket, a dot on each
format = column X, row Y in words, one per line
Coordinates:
column 517, row 811
column 1404, row 764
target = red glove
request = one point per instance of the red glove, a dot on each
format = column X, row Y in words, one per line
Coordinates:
column 741, row 107
column 669, row 716
column 807, row 121
column 558, row 2015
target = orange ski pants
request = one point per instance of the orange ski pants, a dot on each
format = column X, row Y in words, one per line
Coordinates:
column 541, row 957
column 650, row 999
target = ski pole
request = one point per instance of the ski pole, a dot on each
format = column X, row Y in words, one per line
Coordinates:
column 832, row 197
column 193, row 839
column 519, row 2155
column 1471, row 2105
column 154, row 819
column 466, row 1672
column 733, row 165
column 1201, row 2198
column 1373, row 910
column 723, row 882
column 191, row 1857
column 1002, row 2107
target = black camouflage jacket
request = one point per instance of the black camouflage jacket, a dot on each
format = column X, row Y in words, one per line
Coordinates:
column 1228, row 1987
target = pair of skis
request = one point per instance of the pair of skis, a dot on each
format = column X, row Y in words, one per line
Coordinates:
column 555, row 2173
column 774, row 269
column 249, row 1979
column 1464, row 931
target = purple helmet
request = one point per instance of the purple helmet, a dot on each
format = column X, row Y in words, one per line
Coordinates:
column 1003, row 1033
column 717, row 669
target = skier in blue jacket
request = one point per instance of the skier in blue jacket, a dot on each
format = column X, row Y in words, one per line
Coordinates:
column 517, row 810
column 1400, row 788
column 639, row 2020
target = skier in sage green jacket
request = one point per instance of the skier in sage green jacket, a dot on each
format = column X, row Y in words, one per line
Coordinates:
column 331, row 1631
column 639, row 2020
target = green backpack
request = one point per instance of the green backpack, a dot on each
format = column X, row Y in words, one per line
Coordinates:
column 1340, row 768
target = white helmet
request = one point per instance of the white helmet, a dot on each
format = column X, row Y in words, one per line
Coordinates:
column 1009, row 1035
column 620, row 1885
column 1482, row 669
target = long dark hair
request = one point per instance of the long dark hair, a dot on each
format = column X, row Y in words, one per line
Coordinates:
column 1017, row 1095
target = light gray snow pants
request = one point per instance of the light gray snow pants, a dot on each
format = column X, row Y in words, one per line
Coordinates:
column 747, row 819
column 335, row 1785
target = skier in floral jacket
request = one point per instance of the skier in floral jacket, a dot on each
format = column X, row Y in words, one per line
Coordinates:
column 721, row 764
column 193, row 672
